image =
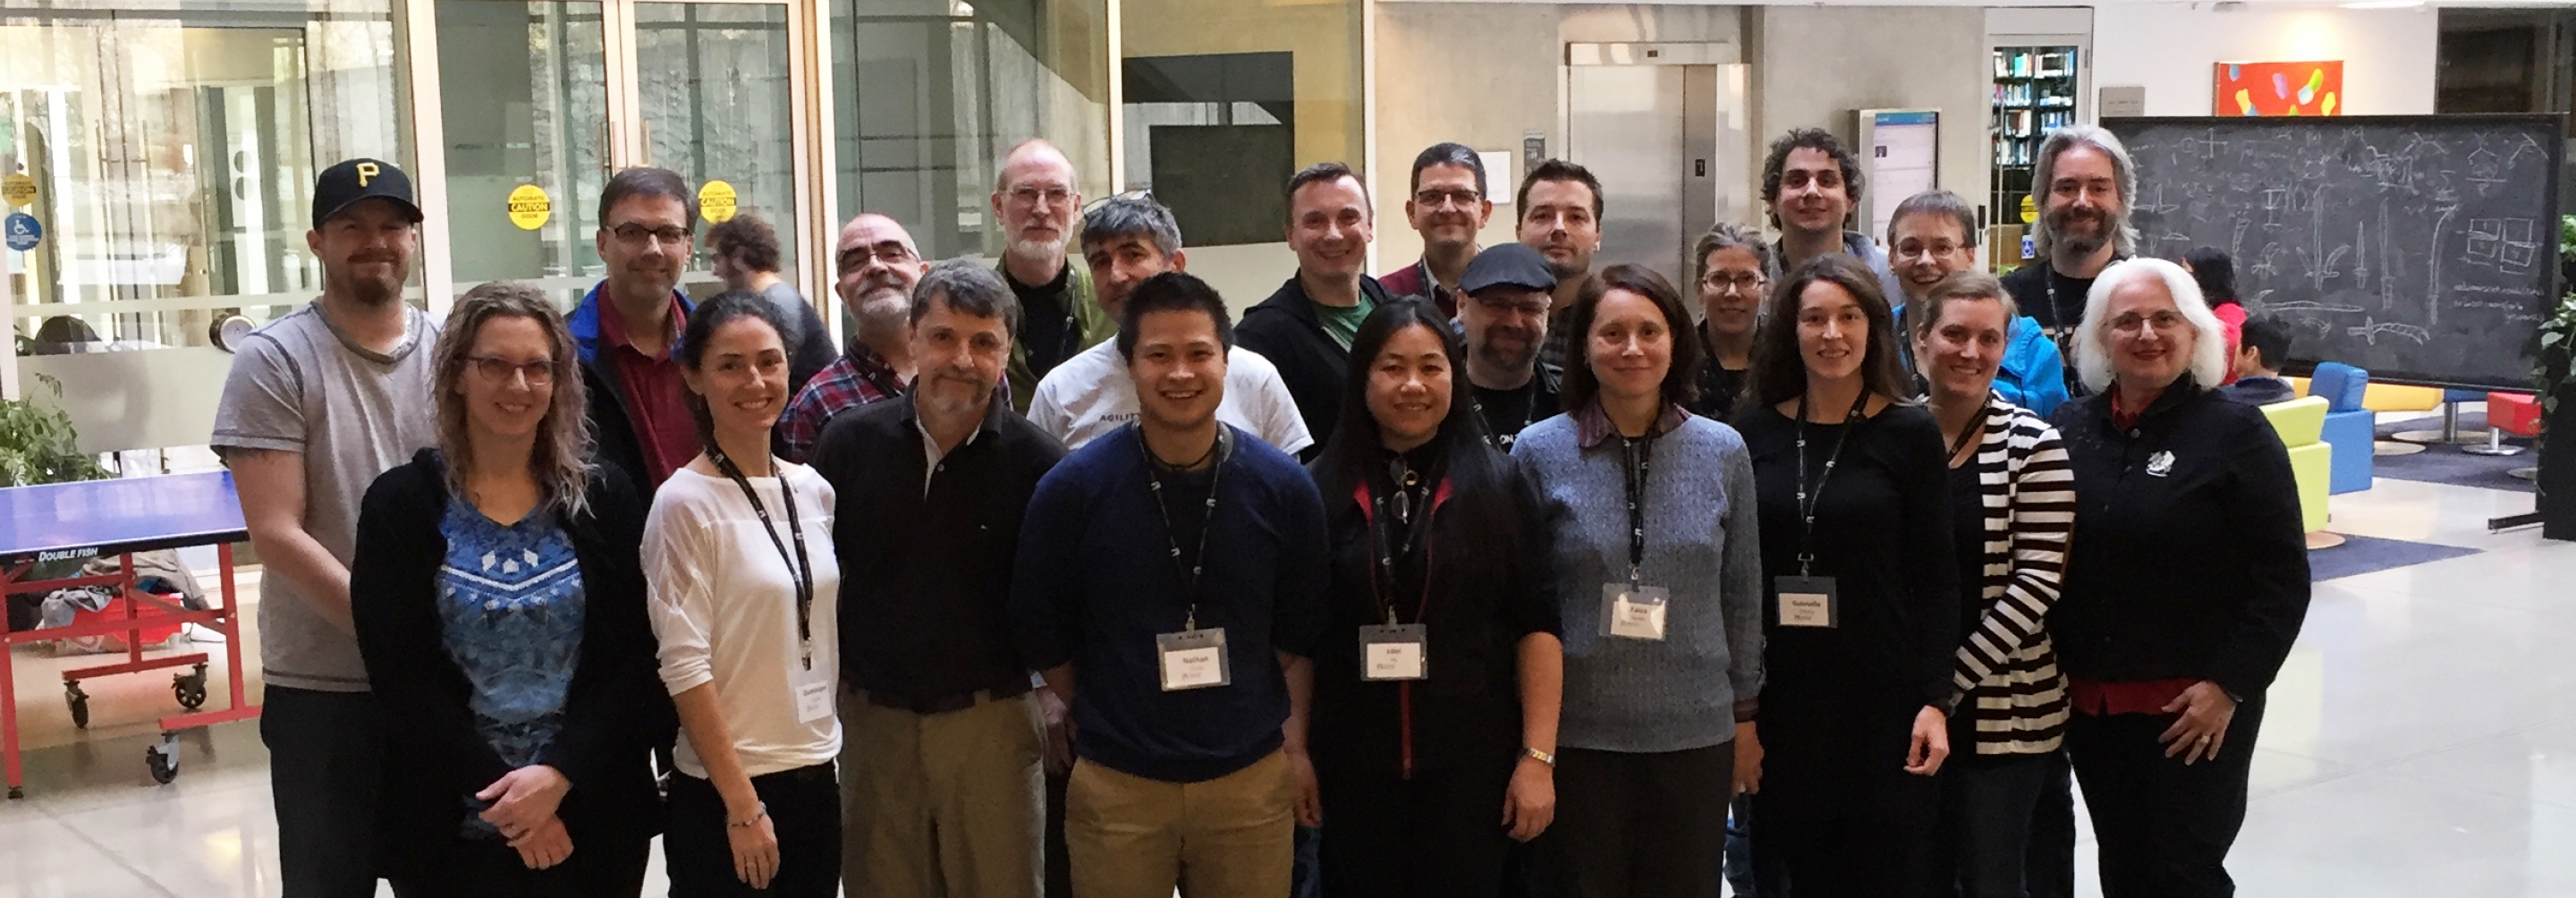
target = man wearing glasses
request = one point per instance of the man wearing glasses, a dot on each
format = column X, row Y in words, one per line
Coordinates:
column 627, row 325
column 876, row 264
column 1934, row 233
column 1448, row 208
column 1509, row 290
column 1036, row 201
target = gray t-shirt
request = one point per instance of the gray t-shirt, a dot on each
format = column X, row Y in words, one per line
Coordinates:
column 299, row 385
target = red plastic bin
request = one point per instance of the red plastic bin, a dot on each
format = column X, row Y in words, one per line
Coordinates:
column 146, row 622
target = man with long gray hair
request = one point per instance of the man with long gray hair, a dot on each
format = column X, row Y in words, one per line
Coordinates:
column 2084, row 185
column 940, row 767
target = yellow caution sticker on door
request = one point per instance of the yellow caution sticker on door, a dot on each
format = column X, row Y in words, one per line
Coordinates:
column 529, row 207
column 715, row 202
column 18, row 189
column 2029, row 210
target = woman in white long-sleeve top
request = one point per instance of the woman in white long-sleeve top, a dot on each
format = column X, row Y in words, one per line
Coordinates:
column 2012, row 504
column 741, row 584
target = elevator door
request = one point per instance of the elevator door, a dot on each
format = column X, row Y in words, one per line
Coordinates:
column 1665, row 138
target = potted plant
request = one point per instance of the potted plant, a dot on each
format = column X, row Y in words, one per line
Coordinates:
column 38, row 443
column 2554, row 376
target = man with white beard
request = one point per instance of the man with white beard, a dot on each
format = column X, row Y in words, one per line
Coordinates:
column 1036, row 201
column 2084, row 186
column 877, row 265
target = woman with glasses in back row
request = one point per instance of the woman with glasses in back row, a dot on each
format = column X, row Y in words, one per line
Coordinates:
column 499, row 606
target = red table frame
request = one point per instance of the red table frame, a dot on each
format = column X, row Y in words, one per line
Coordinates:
column 222, row 617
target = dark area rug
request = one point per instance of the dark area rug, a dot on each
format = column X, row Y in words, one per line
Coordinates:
column 2447, row 464
column 2365, row 554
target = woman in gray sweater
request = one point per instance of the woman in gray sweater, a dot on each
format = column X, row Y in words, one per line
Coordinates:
column 1658, row 581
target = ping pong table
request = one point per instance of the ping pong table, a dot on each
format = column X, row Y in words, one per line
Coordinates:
column 89, row 519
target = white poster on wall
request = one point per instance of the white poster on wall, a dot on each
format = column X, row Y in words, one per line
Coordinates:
column 1904, row 159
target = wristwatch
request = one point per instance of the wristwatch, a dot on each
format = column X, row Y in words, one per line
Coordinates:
column 1540, row 756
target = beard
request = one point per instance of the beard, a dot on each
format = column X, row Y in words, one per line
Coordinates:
column 1514, row 356
column 2060, row 221
column 1568, row 269
column 368, row 290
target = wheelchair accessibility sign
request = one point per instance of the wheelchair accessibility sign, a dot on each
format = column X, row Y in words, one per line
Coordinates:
column 23, row 231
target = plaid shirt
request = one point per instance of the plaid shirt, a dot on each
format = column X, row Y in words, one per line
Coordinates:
column 857, row 378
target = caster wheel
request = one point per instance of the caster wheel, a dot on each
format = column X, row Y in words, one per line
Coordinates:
column 163, row 759
column 79, row 704
column 16, row 793
column 190, row 689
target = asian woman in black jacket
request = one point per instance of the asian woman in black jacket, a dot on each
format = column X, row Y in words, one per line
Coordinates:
column 499, row 606
column 1436, row 692
column 2186, row 583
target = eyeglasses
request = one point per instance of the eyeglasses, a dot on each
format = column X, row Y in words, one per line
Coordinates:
column 2162, row 322
column 889, row 252
column 539, row 373
column 1030, row 195
column 1741, row 282
column 1911, row 250
column 633, row 234
column 1436, row 198
column 1528, row 308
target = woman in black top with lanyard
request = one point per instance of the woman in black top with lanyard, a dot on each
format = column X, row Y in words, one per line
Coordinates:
column 1863, row 608
column 1436, row 691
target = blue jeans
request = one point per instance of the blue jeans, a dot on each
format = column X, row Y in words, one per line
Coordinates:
column 1746, row 875
column 325, row 755
column 1305, row 877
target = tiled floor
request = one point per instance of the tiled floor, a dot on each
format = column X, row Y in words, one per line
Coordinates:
column 2421, row 741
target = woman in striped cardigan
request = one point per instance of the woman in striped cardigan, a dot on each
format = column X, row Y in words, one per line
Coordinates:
column 2012, row 506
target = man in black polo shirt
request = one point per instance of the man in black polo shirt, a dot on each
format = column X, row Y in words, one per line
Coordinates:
column 940, row 772
column 2084, row 185
column 1505, row 319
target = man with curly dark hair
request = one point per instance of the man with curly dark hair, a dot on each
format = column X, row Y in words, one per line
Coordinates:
column 1812, row 184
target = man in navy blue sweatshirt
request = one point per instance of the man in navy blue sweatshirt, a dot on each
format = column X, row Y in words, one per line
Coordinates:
column 1170, row 585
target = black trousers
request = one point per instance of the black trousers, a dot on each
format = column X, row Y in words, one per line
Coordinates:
column 2164, row 828
column 1640, row 825
column 598, row 868
column 805, row 810
column 1437, row 834
column 325, row 754
column 1845, row 857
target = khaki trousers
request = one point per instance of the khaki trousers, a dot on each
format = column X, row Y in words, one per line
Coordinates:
column 1230, row 837
column 941, row 805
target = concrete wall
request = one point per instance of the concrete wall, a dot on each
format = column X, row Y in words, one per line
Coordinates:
column 2168, row 48
column 1875, row 57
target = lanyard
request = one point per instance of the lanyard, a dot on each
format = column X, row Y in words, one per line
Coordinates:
column 798, row 566
column 1529, row 410
column 1975, row 427
column 1382, row 574
column 1640, row 458
column 1198, row 562
column 1809, row 497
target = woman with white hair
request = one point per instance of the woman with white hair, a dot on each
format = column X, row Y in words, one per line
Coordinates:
column 2186, row 582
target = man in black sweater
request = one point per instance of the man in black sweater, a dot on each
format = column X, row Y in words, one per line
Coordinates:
column 2084, row 185
column 1306, row 328
column 939, row 773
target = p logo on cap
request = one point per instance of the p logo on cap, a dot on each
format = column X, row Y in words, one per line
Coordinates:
column 366, row 172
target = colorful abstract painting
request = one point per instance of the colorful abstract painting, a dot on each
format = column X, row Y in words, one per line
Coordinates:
column 2278, row 88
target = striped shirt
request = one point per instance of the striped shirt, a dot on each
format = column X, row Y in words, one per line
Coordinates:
column 2013, row 694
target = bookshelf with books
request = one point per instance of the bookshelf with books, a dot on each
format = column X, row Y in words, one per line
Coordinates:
column 2035, row 90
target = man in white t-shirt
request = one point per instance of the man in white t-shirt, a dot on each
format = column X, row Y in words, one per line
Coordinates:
column 1126, row 240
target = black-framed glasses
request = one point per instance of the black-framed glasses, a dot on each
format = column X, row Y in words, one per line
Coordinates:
column 633, row 234
column 1434, row 198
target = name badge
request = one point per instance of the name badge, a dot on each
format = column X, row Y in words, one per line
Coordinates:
column 1394, row 653
column 1193, row 659
column 813, row 698
column 1633, row 612
column 1808, row 602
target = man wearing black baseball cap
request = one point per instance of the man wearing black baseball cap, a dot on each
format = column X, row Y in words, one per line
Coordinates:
column 1510, row 289
column 317, row 404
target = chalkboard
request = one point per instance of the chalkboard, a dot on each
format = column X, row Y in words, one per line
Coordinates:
column 2422, row 249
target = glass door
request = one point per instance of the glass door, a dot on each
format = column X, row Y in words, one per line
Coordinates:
column 542, row 100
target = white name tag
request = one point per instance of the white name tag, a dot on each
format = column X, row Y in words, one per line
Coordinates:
column 1633, row 612
column 813, row 699
column 1393, row 653
column 1806, row 601
column 1193, row 659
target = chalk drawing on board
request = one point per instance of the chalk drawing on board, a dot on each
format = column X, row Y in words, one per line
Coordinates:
column 2503, row 244
column 2486, row 169
column 2156, row 202
column 2371, row 332
column 2527, row 145
column 2311, row 305
column 2433, row 310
